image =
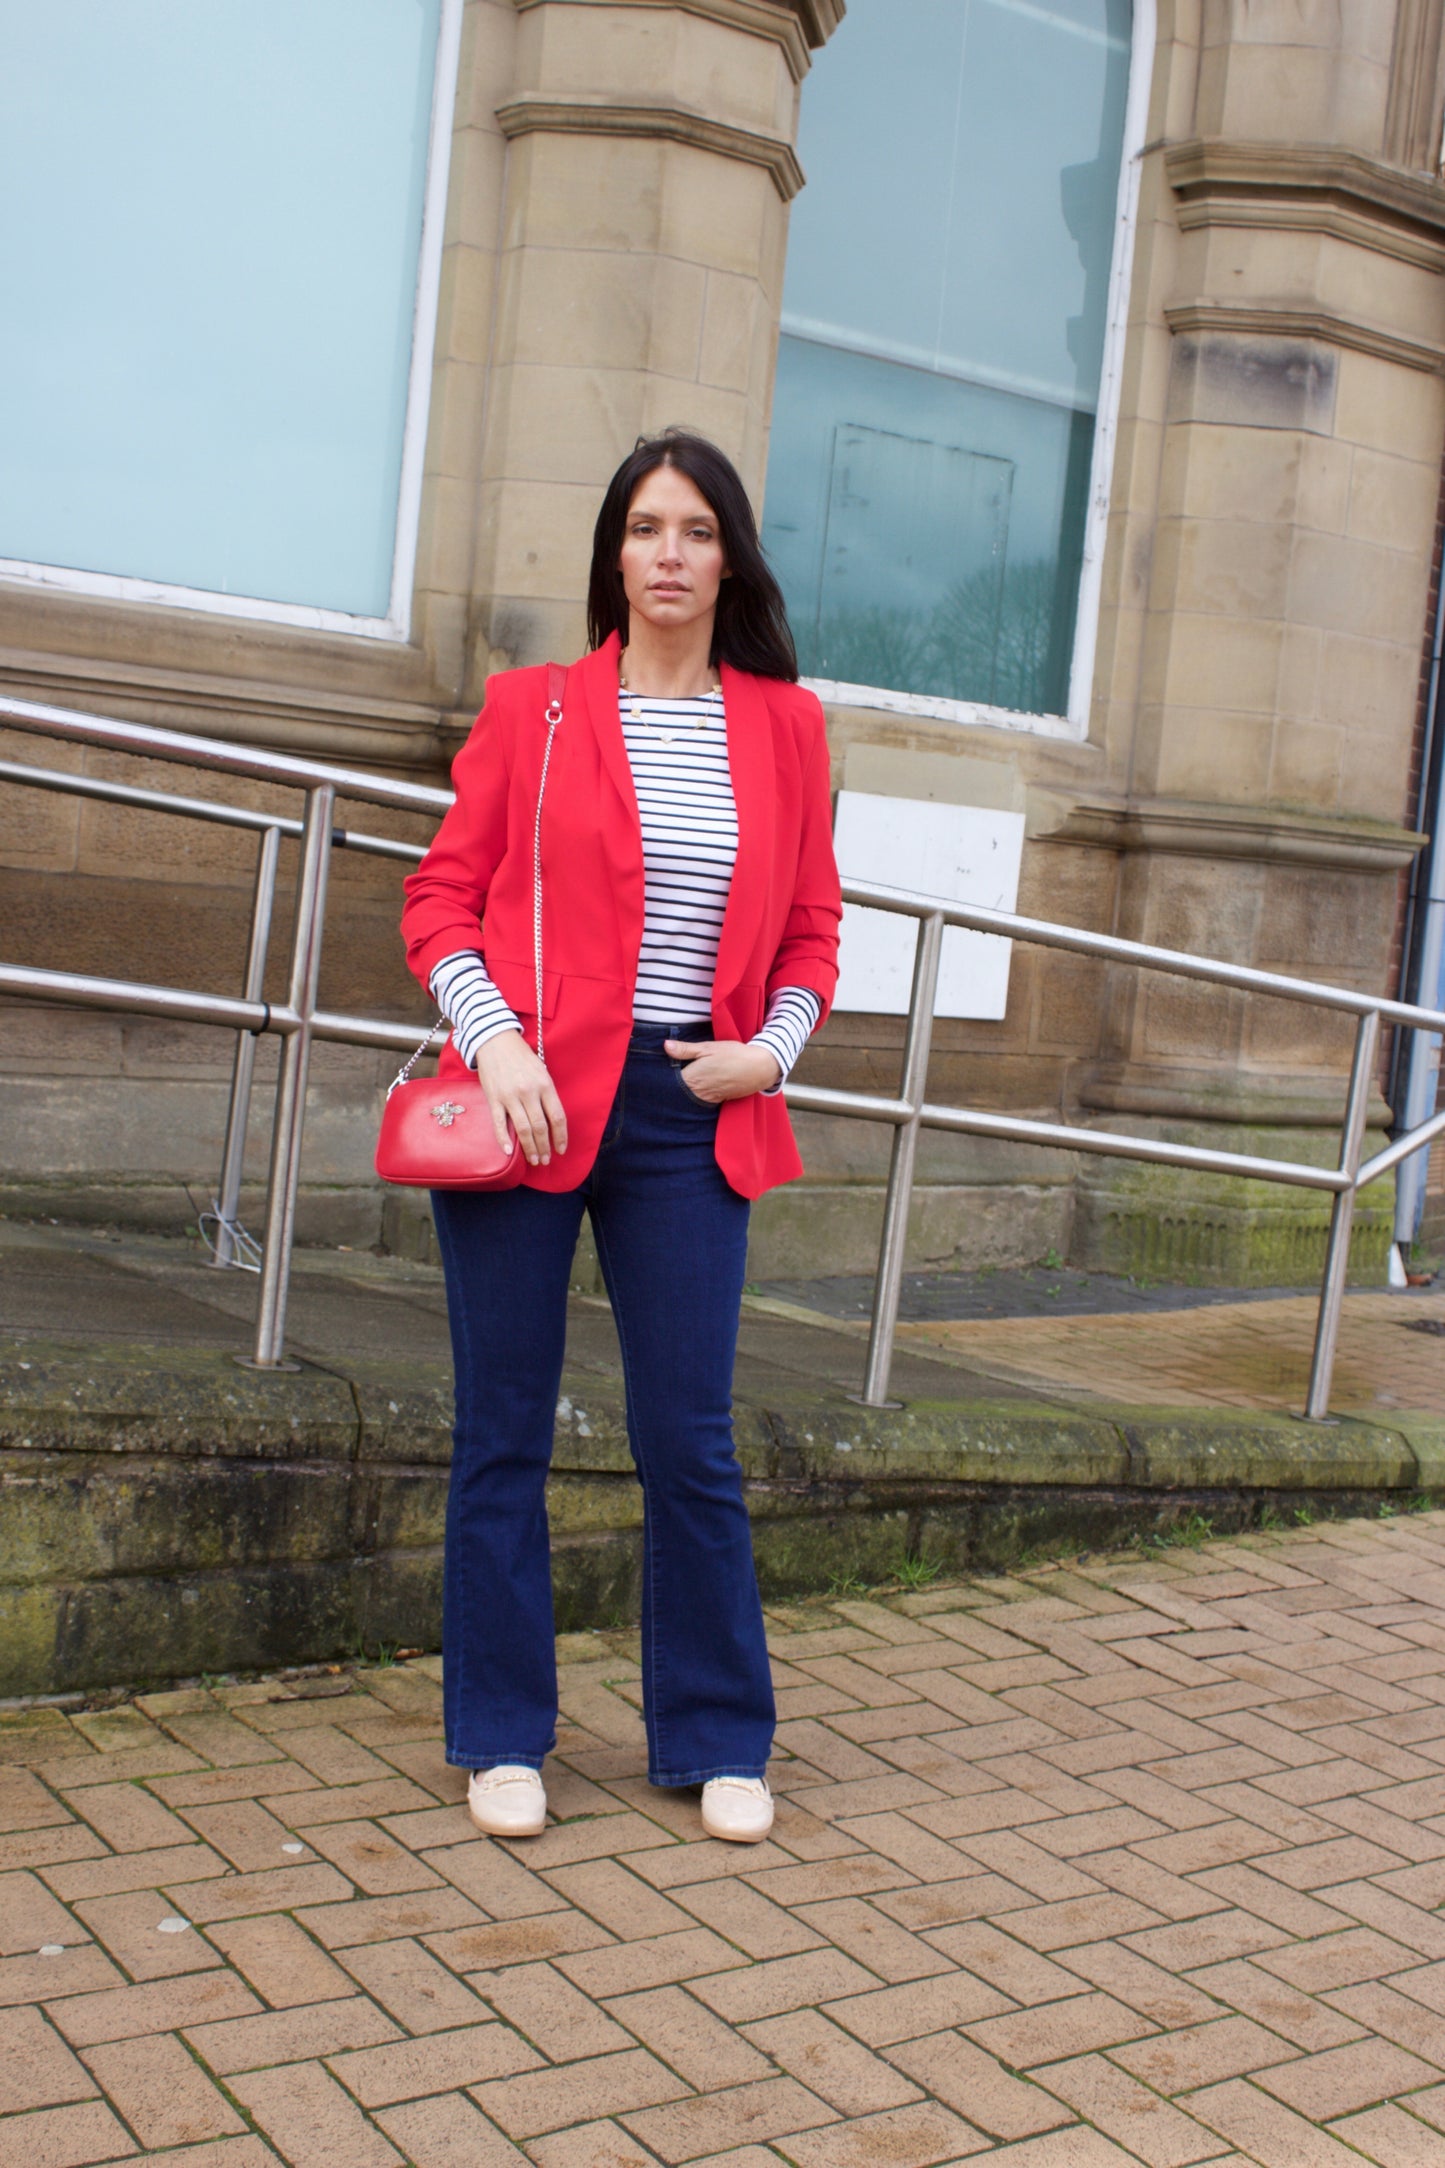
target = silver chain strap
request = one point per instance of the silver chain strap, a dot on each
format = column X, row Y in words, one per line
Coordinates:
column 552, row 718
column 404, row 1072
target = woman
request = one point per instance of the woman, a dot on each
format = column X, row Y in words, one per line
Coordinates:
column 690, row 926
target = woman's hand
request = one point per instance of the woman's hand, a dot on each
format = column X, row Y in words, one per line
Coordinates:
column 519, row 1090
column 719, row 1069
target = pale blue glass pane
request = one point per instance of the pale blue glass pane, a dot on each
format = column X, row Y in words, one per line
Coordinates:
column 209, row 262
column 1035, row 182
column 932, row 545
column 868, row 236
column 944, row 315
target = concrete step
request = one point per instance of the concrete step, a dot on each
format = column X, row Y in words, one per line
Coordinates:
column 168, row 1513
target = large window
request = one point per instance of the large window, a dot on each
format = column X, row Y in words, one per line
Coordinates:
column 218, row 301
column 947, row 310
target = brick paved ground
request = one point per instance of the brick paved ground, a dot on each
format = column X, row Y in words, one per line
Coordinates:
column 1134, row 1861
column 1229, row 1355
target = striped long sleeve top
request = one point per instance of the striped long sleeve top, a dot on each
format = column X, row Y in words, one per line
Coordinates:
column 679, row 758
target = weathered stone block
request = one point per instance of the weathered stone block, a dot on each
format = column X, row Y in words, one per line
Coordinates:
column 1386, row 407
column 1305, row 769
column 585, row 192
column 533, row 533
column 1206, row 1450
column 1370, row 786
column 1369, row 686
column 729, row 355
column 1392, row 501
column 478, row 162
column 1069, row 1001
column 1206, row 753
column 1221, row 1230
column 1229, row 471
column 1235, row 568
column 1229, row 666
column 404, row 1409
column 1357, row 588
column 932, row 1443
column 1186, row 1019
column 1250, row 382
column 716, row 211
column 130, row 1554
column 565, row 425
column 71, row 1516
column 196, row 1403
column 953, row 1227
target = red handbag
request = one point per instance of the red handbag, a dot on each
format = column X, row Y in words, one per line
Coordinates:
column 439, row 1134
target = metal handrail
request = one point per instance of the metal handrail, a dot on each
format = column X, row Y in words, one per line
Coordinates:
column 1180, row 963
column 298, row 1022
column 193, row 752
column 196, row 809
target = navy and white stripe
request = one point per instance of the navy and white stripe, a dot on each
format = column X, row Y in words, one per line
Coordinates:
column 462, row 988
column 678, row 750
column 791, row 1020
column 678, row 754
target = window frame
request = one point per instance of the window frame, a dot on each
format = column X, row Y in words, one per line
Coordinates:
column 1074, row 724
column 396, row 625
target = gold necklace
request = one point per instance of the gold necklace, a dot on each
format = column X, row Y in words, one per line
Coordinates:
column 635, row 701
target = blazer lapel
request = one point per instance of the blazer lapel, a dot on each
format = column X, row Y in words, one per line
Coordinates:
column 750, row 760
column 596, row 675
column 590, row 705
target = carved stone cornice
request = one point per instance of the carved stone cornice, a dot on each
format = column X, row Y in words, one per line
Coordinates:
column 1287, row 320
column 1310, row 188
column 533, row 112
column 1176, row 827
column 820, row 18
column 793, row 24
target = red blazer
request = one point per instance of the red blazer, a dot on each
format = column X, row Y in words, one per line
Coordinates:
column 473, row 890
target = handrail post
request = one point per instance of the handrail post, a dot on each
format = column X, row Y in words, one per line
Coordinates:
column 894, row 1240
column 243, row 1069
column 1342, row 1215
column 291, row 1078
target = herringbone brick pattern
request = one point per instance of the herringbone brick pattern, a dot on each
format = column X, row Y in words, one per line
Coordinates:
column 1135, row 1861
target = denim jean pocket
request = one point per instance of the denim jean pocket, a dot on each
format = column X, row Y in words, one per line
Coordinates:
column 708, row 1106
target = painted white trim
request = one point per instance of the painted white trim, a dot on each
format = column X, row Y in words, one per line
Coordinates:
column 939, row 709
column 424, row 317
column 1111, row 372
column 118, row 587
column 1074, row 725
column 396, row 625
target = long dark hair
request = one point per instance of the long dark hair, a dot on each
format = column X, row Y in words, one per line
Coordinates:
column 751, row 627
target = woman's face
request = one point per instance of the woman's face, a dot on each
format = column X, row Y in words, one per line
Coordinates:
column 672, row 561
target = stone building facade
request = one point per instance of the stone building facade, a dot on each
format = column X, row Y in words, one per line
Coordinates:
column 1168, row 447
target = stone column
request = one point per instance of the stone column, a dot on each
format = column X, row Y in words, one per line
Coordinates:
column 650, row 165
column 1281, row 588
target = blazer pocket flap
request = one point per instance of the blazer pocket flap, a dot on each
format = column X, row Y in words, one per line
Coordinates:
column 517, row 984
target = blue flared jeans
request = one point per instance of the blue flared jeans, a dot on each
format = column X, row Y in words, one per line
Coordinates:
column 672, row 1241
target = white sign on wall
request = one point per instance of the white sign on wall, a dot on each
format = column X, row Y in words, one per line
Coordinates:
column 966, row 854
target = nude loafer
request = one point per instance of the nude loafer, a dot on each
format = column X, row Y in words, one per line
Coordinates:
column 507, row 1801
column 737, row 1809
